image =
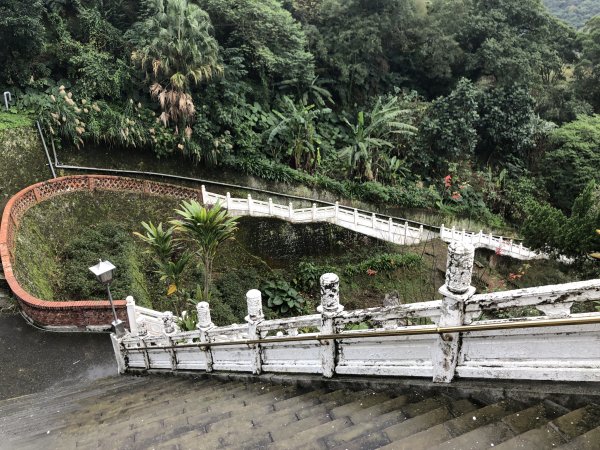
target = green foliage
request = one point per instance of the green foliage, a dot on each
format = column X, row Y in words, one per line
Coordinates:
column 449, row 127
column 207, row 228
column 170, row 260
column 513, row 42
column 176, row 48
column 295, row 133
column 574, row 12
column 372, row 138
column 547, row 228
column 12, row 119
column 22, row 37
column 282, row 297
column 587, row 71
column 573, row 161
column 105, row 241
column 273, row 44
column 189, row 320
column 384, row 262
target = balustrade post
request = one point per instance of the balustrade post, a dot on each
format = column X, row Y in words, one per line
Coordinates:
column 270, row 206
column 329, row 308
column 405, row 233
column 254, row 317
column 373, row 220
column 250, row 205
column 355, row 216
column 421, row 233
column 168, row 323
column 228, row 201
column 204, row 195
column 314, row 212
column 480, row 240
column 456, row 291
column 142, row 329
column 204, row 324
column 291, row 210
column 336, row 209
column 391, row 229
column 453, row 232
column 121, row 362
column 442, row 229
column 131, row 316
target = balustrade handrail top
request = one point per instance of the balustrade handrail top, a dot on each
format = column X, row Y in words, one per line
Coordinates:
column 419, row 330
column 571, row 288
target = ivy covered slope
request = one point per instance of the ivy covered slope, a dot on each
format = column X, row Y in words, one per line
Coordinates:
column 22, row 157
column 454, row 105
column 60, row 238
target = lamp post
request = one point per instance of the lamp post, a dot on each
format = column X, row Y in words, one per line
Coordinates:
column 104, row 274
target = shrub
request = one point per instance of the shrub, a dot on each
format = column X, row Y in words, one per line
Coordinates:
column 282, row 297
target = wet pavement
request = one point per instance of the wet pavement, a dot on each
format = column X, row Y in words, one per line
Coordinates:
column 32, row 360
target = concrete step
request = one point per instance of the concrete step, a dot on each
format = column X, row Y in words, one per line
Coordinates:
column 50, row 406
column 246, row 425
column 185, row 413
column 419, row 416
column 507, row 427
column 558, row 431
column 449, row 429
column 586, row 441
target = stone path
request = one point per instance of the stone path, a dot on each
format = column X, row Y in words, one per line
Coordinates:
column 190, row 413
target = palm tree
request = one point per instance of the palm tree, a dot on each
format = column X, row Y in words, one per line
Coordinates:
column 208, row 228
column 169, row 260
column 371, row 135
column 179, row 51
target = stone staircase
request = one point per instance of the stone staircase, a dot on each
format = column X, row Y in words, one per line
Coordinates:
column 189, row 413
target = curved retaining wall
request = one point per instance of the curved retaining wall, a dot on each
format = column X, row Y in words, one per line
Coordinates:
column 86, row 315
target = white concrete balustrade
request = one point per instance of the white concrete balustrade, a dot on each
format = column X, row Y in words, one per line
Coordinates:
column 407, row 340
column 380, row 227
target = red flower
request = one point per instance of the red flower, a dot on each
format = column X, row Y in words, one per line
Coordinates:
column 448, row 181
column 456, row 196
column 371, row 272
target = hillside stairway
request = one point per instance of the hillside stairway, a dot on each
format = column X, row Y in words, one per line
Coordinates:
column 190, row 413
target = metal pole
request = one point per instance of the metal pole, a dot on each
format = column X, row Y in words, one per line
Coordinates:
column 110, row 299
column 39, row 127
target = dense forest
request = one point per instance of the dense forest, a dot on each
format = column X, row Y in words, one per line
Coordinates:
column 574, row 12
column 481, row 108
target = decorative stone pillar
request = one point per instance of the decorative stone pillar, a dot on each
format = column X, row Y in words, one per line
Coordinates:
column 168, row 323
column 131, row 316
column 254, row 317
column 141, row 326
column 456, row 291
column 329, row 308
column 204, row 324
column 121, row 362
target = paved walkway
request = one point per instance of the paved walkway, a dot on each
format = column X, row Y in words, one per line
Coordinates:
column 32, row 360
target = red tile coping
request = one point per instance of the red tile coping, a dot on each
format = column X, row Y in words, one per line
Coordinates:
column 80, row 314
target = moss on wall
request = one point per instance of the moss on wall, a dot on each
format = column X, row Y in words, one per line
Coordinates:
column 59, row 239
column 22, row 161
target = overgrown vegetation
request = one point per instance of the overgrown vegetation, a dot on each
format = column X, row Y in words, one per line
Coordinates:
column 381, row 101
column 477, row 108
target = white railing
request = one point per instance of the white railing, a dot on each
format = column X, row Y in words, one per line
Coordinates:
column 147, row 320
column 505, row 247
column 380, row 227
column 438, row 339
